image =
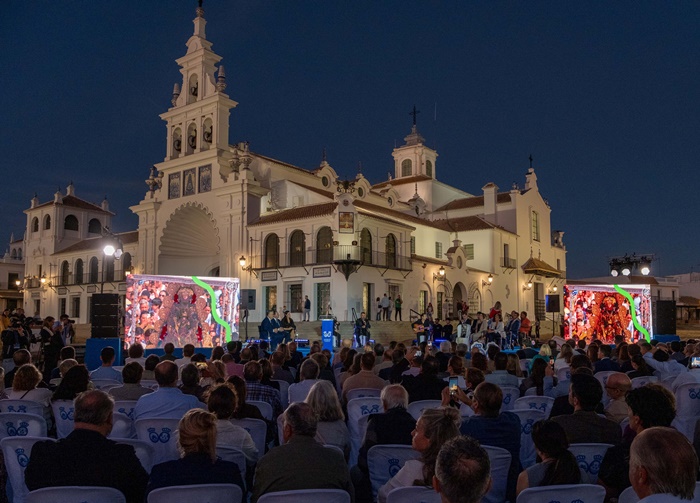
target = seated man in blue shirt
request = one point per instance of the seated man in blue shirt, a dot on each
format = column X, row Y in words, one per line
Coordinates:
column 106, row 371
column 167, row 401
column 500, row 375
column 490, row 426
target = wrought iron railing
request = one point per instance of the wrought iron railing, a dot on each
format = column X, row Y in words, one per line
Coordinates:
column 331, row 255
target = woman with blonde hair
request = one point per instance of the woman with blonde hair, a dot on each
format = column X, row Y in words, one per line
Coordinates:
column 24, row 387
column 198, row 463
column 433, row 429
column 513, row 366
column 331, row 429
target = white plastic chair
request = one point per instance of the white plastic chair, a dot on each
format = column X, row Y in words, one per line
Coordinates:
column 161, row 433
column 122, row 427
column 638, row 382
column 528, row 417
column 206, row 493
column 384, row 461
column 628, row 496
column 570, row 493
column 358, row 407
column 416, row 408
column 363, row 392
column 284, row 392
column 687, row 408
column 541, row 403
column 510, row 395
column 63, row 411
column 105, row 383
column 149, row 383
column 125, row 407
column 315, row 495
column 564, row 374
column 589, row 458
column 230, row 453
column 257, row 429
column 73, row 494
column 299, row 391
column 264, row 408
column 16, row 451
column 500, row 464
column 413, row 494
column 24, row 406
column 18, row 424
column 144, row 451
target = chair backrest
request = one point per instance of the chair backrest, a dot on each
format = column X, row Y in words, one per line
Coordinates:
column 26, row 406
column 528, row 417
column 161, row 433
column 16, row 451
column 257, row 429
column 233, row 454
column 144, row 451
column 125, row 407
column 638, row 382
column 564, row 373
column 315, row 495
column 688, row 400
column 63, row 411
column 570, row 493
column 284, row 392
column 19, row 424
column 298, row 393
column 357, row 408
column 413, row 494
column 73, row 494
column 667, row 382
column 384, row 461
column 510, row 395
column 122, row 426
column 204, row 493
column 105, row 383
column 149, row 383
column 628, row 496
column 416, row 408
column 363, row 392
column 541, row 403
column 589, row 458
column 500, row 464
column 264, row 408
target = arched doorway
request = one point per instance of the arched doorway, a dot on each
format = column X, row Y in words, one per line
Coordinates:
column 459, row 294
column 190, row 243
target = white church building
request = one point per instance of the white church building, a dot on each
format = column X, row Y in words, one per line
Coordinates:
column 213, row 208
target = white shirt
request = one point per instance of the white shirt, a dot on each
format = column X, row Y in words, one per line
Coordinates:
column 181, row 362
column 233, row 435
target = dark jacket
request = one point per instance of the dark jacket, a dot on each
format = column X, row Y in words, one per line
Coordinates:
column 422, row 387
column 391, row 427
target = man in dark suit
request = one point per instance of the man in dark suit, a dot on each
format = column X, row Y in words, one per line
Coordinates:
column 267, row 327
column 426, row 385
column 307, row 464
column 86, row 457
column 605, row 363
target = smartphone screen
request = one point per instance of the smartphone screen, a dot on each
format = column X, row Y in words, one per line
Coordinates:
column 695, row 362
column 453, row 383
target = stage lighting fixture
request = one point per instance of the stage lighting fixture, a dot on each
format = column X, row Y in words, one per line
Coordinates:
column 626, row 270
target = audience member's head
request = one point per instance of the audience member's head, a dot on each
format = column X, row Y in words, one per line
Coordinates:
column 217, row 353
column 500, row 361
column 135, row 351
column 75, row 381
column 552, row 445
column 309, row 370
column 67, row 352
column 65, row 365
column 21, row 357
column 26, row 378
column 650, row 405
column 132, row 373
column 323, row 399
column 107, row 355
column 585, row 392
column 462, row 471
column 393, row 396
column 169, row 348
column 197, row 433
column 580, row 361
column 241, row 391
column 663, row 461
column 430, row 367
column 166, row 374
column 299, row 419
column 488, row 399
column 93, row 411
column 221, row 400
column 618, row 385
column 474, row 377
column 661, row 356
column 456, row 365
column 252, row 371
column 190, row 375
column 480, row 362
column 367, row 361
column 188, row 350
column 433, row 428
column 151, row 362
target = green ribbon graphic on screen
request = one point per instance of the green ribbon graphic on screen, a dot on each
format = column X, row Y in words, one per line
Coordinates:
column 633, row 310
column 216, row 316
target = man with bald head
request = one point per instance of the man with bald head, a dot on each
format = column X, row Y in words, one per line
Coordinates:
column 167, row 401
column 617, row 387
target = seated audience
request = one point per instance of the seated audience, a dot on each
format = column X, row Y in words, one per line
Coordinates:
column 25, row 387
column 216, row 353
column 75, row 381
column 513, row 367
column 426, row 385
column 351, row 366
column 563, row 358
column 617, row 386
column 260, row 392
column 266, row 368
column 433, row 429
column 664, row 367
column 213, row 372
column 536, row 379
column 500, row 375
column 278, row 371
column 150, row 366
column 605, row 363
column 131, row 389
column 199, row 463
column 301, row 462
column 585, row 425
column 331, row 428
column 663, row 466
column 308, row 376
column 63, row 367
column 19, row 358
column 136, row 355
column 365, row 378
column 187, row 353
column 462, row 471
column 67, row 352
column 167, row 401
column 86, row 457
column 191, row 376
column 558, row 465
column 640, row 368
column 455, row 368
column 243, row 410
column 221, row 401
column 168, row 351
column 325, row 371
column 106, row 371
column 649, row 406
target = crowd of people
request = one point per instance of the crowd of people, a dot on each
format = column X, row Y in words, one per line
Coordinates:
column 451, row 439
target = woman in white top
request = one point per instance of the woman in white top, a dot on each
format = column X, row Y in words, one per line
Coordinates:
column 433, row 429
column 24, row 387
column 331, row 428
column 221, row 401
column 563, row 358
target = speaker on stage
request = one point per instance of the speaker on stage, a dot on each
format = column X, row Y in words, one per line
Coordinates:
column 664, row 317
column 104, row 315
column 552, row 303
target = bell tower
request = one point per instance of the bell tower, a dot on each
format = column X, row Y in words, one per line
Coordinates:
column 198, row 119
column 414, row 158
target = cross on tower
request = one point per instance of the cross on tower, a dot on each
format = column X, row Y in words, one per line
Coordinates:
column 530, row 161
column 414, row 113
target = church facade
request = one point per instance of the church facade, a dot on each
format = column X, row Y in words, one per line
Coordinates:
column 213, row 208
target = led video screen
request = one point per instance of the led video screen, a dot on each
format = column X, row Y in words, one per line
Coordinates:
column 181, row 309
column 604, row 311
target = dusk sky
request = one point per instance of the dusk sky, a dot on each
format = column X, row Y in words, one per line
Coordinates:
column 604, row 95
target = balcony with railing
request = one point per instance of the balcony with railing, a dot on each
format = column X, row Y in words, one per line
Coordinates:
column 86, row 278
column 509, row 263
column 336, row 254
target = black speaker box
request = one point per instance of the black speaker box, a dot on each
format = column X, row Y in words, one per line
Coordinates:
column 552, row 303
column 664, row 317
